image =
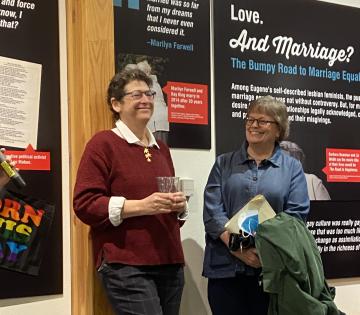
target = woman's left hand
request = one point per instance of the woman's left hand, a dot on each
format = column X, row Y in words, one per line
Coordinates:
column 178, row 201
column 249, row 256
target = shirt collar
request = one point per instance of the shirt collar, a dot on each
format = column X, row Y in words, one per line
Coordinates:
column 124, row 132
column 274, row 159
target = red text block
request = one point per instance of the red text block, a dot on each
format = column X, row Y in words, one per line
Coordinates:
column 342, row 165
column 187, row 103
column 30, row 160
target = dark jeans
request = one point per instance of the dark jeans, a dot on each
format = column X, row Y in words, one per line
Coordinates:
column 142, row 290
column 241, row 295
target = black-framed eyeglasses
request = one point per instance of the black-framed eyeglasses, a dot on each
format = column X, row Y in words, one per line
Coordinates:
column 260, row 122
column 137, row 95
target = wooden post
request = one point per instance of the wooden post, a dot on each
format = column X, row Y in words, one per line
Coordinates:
column 90, row 49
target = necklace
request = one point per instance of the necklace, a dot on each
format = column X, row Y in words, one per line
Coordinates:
column 147, row 154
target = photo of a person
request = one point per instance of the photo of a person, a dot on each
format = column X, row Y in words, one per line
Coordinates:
column 316, row 188
column 158, row 123
column 154, row 67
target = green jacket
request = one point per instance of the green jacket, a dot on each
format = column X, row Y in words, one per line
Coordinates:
column 293, row 274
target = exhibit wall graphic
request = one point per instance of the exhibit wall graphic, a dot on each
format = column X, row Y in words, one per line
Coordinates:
column 30, row 131
column 170, row 40
column 306, row 54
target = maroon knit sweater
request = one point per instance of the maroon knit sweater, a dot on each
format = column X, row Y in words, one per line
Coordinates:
column 110, row 166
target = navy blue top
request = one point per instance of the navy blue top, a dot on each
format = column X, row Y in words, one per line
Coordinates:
column 233, row 181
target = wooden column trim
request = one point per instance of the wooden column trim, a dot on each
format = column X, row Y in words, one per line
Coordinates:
column 90, row 44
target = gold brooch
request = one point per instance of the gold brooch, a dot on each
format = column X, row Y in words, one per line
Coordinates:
column 147, row 154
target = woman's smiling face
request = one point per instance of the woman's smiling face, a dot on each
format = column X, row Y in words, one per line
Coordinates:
column 131, row 109
column 261, row 129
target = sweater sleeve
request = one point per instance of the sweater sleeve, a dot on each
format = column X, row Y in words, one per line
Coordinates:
column 91, row 192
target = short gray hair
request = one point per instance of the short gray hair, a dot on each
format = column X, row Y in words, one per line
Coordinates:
column 276, row 109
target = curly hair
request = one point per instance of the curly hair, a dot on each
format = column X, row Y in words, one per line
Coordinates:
column 116, row 88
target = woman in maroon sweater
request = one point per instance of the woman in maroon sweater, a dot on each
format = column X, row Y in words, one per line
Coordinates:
column 135, row 229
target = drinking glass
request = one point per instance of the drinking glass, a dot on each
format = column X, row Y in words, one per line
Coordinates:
column 168, row 183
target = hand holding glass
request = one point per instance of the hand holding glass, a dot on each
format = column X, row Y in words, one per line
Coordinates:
column 171, row 185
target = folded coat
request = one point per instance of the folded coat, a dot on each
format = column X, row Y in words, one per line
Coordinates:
column 292, row 271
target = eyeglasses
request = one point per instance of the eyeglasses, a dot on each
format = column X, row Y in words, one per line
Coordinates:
column 137, row 95
column 260, row 122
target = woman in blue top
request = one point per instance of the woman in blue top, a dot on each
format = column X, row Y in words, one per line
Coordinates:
column 258, row 167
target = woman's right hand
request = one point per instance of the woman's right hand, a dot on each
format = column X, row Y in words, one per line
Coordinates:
column 156, row 203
